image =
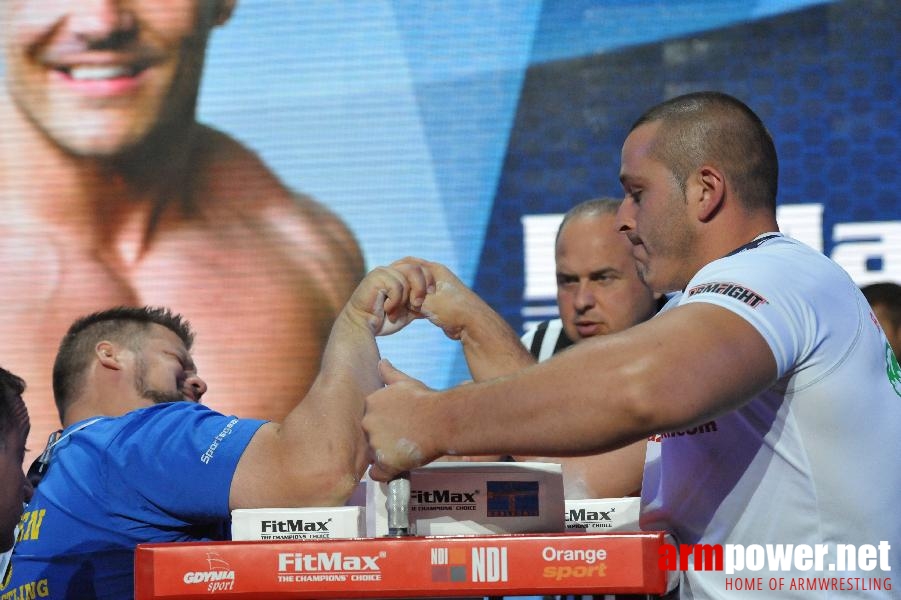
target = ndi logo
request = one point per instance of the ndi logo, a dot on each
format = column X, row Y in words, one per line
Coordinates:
column 486, row 564
column 489, row 564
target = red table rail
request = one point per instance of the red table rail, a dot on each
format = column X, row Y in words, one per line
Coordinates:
column 451, row 566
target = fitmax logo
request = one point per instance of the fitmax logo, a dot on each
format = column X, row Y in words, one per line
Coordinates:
column 293, row 526
column 581, row 514
column 443, row 497
column 326, row 561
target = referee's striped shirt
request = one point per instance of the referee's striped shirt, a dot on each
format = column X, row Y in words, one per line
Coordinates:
column 546, row 339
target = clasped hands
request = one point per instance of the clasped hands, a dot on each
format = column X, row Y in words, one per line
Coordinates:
column 397, row 415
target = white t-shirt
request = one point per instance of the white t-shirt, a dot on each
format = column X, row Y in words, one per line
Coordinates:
column 816, row 459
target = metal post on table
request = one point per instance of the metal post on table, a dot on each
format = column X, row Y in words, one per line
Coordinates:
column 397, row 503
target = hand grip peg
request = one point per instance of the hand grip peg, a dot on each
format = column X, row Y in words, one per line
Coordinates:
column 397, row 503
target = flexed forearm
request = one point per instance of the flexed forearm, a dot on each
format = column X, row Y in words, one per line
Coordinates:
column 490, row 345
column 316, row 456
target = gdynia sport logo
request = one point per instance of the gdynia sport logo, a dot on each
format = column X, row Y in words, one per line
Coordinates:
column 759, row 566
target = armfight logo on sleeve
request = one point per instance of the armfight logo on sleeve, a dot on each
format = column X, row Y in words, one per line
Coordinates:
column 732, row 290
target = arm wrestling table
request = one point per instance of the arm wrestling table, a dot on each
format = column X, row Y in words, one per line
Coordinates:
column 404, row 567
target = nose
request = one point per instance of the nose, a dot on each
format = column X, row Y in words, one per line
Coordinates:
column 197, row 387
column 625, row 215
column 584, row 298
column 102, row 22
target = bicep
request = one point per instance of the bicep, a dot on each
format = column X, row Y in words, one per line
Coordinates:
column 682, row 368
column 314, row 458
column 257, row 476
column 706, row 358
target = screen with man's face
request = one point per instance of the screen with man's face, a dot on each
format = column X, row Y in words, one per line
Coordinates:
column 460, row 132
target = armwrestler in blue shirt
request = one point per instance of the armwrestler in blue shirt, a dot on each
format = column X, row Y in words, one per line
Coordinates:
column 140, row 460
column 117, row 482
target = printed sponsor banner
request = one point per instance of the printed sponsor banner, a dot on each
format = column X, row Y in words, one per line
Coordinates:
column 480, row 498
column 518, row 564
column 298, row 523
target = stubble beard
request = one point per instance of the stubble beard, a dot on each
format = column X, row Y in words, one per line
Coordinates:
column 155, row 396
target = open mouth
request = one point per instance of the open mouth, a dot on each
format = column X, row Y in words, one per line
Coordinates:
column 100, row 72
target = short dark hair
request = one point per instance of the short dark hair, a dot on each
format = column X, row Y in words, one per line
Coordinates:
column 11, row 389
column 888, row 295
column 717, row 128
column 122, row 324
column 590, row 208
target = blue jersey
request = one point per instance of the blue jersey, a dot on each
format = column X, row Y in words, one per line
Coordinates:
column 157, row 474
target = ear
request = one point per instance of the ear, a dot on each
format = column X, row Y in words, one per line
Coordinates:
column 224, row 10
column 107, row 354
column 713, row 191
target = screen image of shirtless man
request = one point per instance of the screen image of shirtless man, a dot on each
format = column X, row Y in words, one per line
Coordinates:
column 114, row 194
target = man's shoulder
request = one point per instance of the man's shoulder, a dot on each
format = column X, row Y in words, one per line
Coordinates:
column 152, row 415
column 774, row 250
column 230, row 175
column 140, row 417
column 774, row 264
column 133, row 435
column 237, row 189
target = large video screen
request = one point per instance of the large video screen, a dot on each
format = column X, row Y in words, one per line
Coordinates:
column 455, row 131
